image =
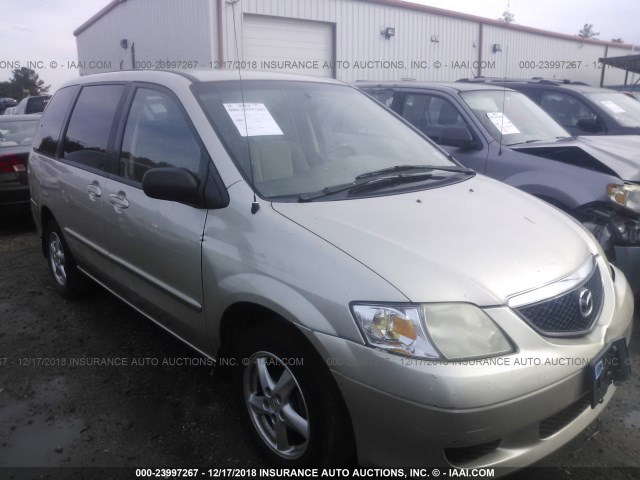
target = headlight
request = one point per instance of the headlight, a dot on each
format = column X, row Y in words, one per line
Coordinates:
column 627, row 195
column 445, row 331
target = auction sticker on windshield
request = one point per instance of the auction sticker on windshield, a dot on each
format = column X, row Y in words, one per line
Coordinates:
column 502, row 123
column 614, row 107
column 252, row 119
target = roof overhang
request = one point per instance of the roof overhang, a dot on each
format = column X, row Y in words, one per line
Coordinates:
column 629, row 63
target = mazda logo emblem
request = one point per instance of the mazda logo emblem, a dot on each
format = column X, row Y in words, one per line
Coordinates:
column 585, row 301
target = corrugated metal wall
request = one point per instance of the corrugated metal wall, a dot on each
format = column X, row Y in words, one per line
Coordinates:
column 425, row 46
column 362, row 52
column 160, row 30
column 526, row 55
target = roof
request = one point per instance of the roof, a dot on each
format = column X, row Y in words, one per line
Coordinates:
column 536, row 82
column 442, row 86
column 630, row 63
column 192, row 76
column 411, row 6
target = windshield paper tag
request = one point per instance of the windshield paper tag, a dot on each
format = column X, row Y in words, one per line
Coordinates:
column 614, row 107
column 502, row 123
column 259, row 121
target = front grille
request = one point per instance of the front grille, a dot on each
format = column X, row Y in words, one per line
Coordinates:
column 557, row 422
column 563, row 315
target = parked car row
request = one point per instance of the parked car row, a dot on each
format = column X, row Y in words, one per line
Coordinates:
column 375, row 300
column 578, row 107
column 501, row 133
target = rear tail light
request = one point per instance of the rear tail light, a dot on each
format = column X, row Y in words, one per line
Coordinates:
column 11, row 163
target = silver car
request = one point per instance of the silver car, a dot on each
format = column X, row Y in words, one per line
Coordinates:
column 372, row 299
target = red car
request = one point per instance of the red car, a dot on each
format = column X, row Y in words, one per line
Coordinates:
column 16, row 133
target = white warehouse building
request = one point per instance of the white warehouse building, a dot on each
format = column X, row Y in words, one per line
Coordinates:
column 346, row 39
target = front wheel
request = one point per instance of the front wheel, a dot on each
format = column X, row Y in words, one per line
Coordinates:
column 291, row 405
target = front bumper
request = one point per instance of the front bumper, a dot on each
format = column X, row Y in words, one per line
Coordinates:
column 424, row 414
column 391, row 431
column 14, row 196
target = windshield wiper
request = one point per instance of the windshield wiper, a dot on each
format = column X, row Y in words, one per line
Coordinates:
column 404, row 168
column 393, row 180
column 325, row 192
column 364, row 181
column 522, row 143
column 365, row 185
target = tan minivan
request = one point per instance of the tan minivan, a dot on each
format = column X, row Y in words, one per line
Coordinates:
column 380, row 303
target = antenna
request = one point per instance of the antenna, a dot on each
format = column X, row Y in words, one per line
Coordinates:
column 504, row 95
column 255, row 206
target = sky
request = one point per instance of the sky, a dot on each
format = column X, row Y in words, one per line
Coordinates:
column 42, row 32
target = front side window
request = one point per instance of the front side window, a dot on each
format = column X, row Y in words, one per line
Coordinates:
column 156, row 135
column 87, row 135
column 566, row 109
column 431, row 114
column 512, row 118
column 294, row 138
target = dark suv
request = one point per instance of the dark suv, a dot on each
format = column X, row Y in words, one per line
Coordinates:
column 503, row 134
column 578, row 107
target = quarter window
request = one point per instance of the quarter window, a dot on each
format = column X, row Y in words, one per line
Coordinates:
column 156, row 135
column 46, row 138
column 88, row 133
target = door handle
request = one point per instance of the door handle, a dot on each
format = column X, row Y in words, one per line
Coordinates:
column 119, row 200
column 94, row 191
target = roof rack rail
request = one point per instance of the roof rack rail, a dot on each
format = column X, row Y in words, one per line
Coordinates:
column 540, row 80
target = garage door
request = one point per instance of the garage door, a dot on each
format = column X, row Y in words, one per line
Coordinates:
column 289, row 45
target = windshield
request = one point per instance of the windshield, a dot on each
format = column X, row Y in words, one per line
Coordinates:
column 624, row 109
column 14, row 133
column 305, row 137
column 514, row 115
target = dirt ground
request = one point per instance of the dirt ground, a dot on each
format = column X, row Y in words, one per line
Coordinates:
column 145, row 415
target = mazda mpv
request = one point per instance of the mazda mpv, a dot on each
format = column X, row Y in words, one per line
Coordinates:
column 372, row 299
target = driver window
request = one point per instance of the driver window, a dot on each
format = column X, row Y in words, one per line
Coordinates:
column 431, row 114
column 565, row 109
column 156, row 135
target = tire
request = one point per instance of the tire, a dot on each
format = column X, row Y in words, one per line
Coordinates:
column 289, row 402
column 67, row 279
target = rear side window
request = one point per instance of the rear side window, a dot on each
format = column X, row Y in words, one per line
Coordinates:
column 157, row 135
column 46, row 138
column 90, row 125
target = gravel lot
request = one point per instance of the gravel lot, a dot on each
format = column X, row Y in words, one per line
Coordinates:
column 146, row 415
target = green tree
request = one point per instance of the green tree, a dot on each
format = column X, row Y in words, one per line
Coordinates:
column 8, row 89
column 23, row 82
column 507, row 17
column 29, row 81
column 587, row 31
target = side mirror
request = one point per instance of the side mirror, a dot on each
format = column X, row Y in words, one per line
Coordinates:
column 172, row 184
column 590, row 124
column 457, row 137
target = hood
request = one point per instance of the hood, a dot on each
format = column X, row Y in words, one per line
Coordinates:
column 617, row 155
column 477, row 241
